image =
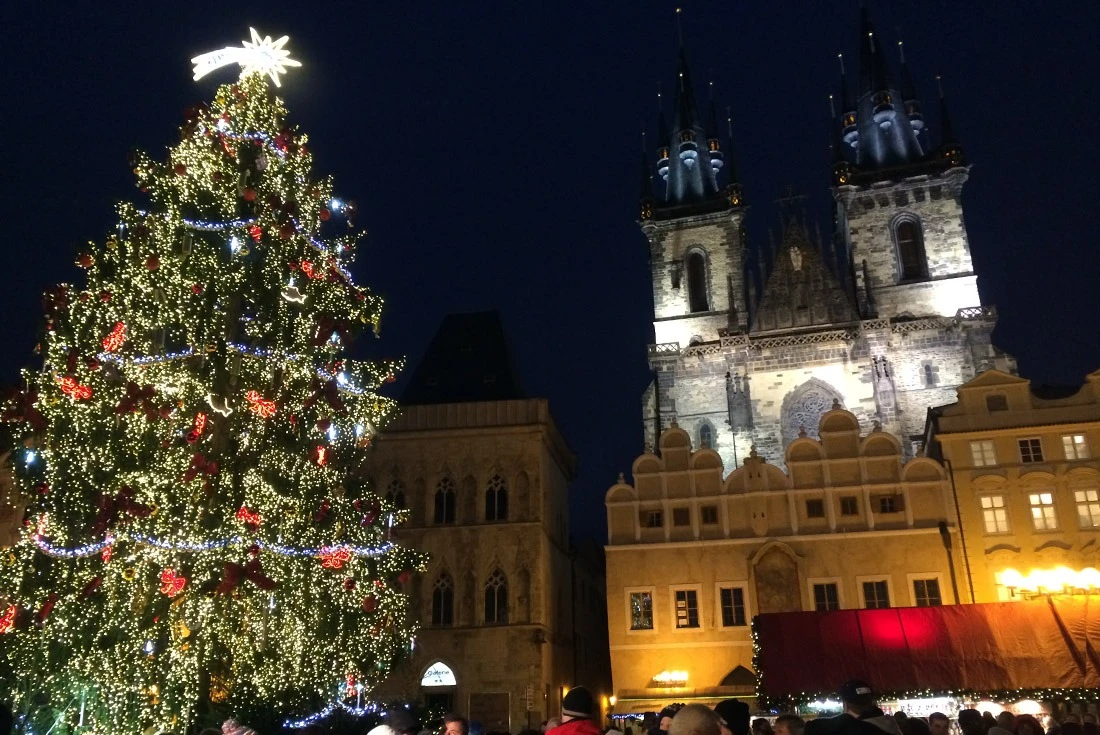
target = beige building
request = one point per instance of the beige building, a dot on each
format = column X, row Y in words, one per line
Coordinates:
column 1026, row 474
column 485, row 474
column 693, row 555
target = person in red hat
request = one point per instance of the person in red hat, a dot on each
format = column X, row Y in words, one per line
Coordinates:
column 577, row 710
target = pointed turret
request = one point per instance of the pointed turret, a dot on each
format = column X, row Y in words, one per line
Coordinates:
column 909, row 93
column 647, row 199
column 733, row 185
column 714, row 145
column 664, row 138
column 849, row 129
column 950, row 149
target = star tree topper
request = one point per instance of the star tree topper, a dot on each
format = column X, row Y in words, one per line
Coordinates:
column 260, row 55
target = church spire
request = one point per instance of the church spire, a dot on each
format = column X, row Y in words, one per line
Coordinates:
column 950, row 149
column 646, row 199
column 909, row 93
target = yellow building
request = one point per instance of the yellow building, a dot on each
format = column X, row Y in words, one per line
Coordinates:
column 693, row 555
column 1026, row 473
column 506, row 607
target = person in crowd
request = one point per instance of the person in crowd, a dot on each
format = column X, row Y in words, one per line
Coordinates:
column 939, row 723
column 988, row 721
column 1002, row 724
column 789, row 725
column 900, row 718
column 695, row 719
column 761, row 726
column 1028, row 725
column 1071, row 728
column 1088, row 724
column 550, row 725
column 970, row 722
column 915, row 726
column 861, row 714
column 577, row 710
column 733, row 717
column 455, row 724
column 402, row 722
column 1007, row 721
column 667, row 715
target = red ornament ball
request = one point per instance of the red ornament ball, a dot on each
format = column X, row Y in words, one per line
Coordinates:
column 92, row 363
column 192, row 437
column 84, row 297
column 254, row 550
column 217, row 177
column 287, row 231
column 105, row 296
column 370, row 604
column 42, row 488
column 404, row 577
column 349, row 584
column 249, row 195
column 324, row 214
column 180, row 169
column 196, row 289
column 152, row 263
column 166, row 411
column 85, row 261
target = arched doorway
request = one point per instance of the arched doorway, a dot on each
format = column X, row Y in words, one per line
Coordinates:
column 438, row 685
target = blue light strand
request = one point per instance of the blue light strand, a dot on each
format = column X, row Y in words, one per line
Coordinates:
column 228, row 133
column 191, row 546
column 368, row 709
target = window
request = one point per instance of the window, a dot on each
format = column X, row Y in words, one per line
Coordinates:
column 994, row 514
column 930, row 375
column 982, row 453
column 687, row 609
column 709, row 515
column 697, row 282
column 395, row 493
column 1031, row 450
column 443, row 601
column 849, row 506
column 733, row 606
column 1076, row 446
column 652, row 519
column 496, row 598
column 496, row 500
column 681, row 516
column 996, row 402
column 1043, row 516
column 445, row 501
column 890, row 504
column 926, row 592
column 876, row 595
column 706, row 437
column 1088, row 508
column 910, row 244
column 815, row 508
column 641, row 611
column 826, row 596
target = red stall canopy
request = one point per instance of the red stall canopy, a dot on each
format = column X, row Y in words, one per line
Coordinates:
column 1047, row 644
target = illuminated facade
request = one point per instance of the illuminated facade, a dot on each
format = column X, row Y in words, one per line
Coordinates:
column 1025, row 462
column 694, row 554
column 751, row 347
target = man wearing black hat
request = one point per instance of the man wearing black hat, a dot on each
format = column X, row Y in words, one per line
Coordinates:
column 733, row 717
column 861, row 714
column 577, row 710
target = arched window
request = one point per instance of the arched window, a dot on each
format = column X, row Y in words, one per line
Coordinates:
column 443, row 600
column 910, row 243
column 496, row 500
column 496, row 598
column 395, row 493
column 445, row 501
column 706, row 437
column 697, row 282
column 930, row 374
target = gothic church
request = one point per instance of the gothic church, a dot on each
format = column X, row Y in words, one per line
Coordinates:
column 883, row 320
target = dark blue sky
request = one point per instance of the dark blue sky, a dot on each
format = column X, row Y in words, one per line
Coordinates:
column 493, row 149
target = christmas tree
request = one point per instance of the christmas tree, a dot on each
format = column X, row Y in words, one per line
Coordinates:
column 199, row 538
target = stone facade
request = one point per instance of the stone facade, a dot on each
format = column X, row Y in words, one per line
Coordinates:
column 1026, row 469
column 508, row 672
column 694, row 554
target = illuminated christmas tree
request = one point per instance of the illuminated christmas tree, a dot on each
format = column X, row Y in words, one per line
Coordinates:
column 199, row 539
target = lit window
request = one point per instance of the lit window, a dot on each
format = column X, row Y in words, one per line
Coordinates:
column 709, row 515
column 876, row 595
column 994, row 514
column 652, row 519
column 697, row 282
column 890, row 504
column 1043, row 516
column 445, row 501
column 826, row 597
column 681, row 516
column 1088, row 508
column 1076, row 446
column 982, row 453
column 733, row 606
column 815, row 508
column 496, row 500
column 910, row 244
column 687, row 609
column 496, row 598
column 641, row 611
column 443, row 601
column 849, row 506
column 996, row 402
column 706, row 437
column 926, row 592
column 1031, row 450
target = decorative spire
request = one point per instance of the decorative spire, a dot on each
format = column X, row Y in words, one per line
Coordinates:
column 873, row 75
column 664, row 139
column 950, row 148
column 714, row 146
column 909, row 93
column 647, row 198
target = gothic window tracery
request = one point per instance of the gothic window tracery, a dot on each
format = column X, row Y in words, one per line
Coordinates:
column 804, row 407
column 496, row 598
column 395, row 493
column 443, row 600
column 445, row 501
column 706, row 436
column 909, row 240
column 496, row 500
column 697, row 282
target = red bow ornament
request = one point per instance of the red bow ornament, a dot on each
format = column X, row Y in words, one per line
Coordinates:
column 250, row 570
column 110, row 509
column 325, row 391
column 21, row 408
column 200, row 465
column 139, row 398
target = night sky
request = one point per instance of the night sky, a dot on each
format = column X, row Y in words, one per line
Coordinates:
column 493, row 149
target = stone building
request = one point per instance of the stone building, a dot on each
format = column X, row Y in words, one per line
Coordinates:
column 1026, row 475
column 884, row 318
column 694, row 554
column 485, row 473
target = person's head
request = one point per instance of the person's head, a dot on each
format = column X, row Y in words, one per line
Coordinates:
column 970, row 722
column 760, row 726
column 664, row 720
column 938, row 723
column 1072, row 717
column 401, row 722
column 1088, row 719
column 578, row 704
column 900, row 717
column 856, row 696
column 551, row 724
column 1007, row 720
column 455, row 725
column 914, row 726
column 789, row 725
column 1071, row 728
column 695, row 719
column 733, row 717
column 1028, row 725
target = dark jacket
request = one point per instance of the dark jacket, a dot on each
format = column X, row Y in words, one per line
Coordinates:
column 576, row 727
column 873, row 722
